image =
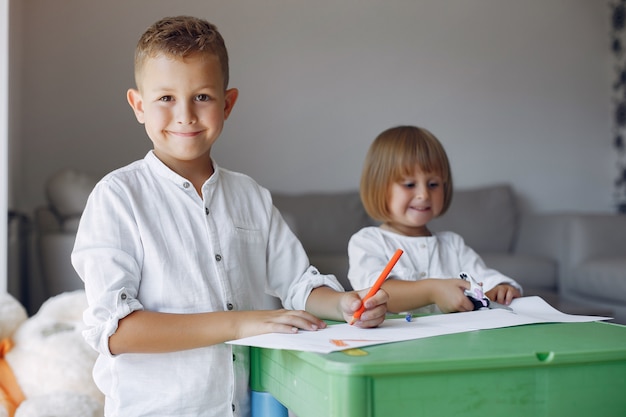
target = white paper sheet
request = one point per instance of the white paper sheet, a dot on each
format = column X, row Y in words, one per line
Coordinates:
column 526, row 310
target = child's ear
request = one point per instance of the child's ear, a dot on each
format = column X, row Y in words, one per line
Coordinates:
column 230, row 97
column 134, row 99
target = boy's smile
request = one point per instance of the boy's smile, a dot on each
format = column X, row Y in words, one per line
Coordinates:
column 183, row 105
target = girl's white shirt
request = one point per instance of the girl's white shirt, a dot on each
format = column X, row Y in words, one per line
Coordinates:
column 442, row 255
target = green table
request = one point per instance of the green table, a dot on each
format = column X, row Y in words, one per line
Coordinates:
column 560, row 369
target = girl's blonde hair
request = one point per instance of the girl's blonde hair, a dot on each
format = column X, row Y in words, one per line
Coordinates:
column 395, row 154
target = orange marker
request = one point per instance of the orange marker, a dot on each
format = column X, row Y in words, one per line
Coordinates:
column 377, row 284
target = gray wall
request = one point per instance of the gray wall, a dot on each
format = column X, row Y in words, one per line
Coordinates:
column 518, row 91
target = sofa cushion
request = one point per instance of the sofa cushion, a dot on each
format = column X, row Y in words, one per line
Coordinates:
column 602, row 278
column 531, row 272
column 597, row 235
column 485, row 217
column 324, row 222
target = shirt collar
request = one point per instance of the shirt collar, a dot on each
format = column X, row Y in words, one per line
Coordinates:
column 163, row 171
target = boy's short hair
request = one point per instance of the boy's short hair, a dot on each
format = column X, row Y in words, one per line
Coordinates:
column 180, row 37
column 396, row 153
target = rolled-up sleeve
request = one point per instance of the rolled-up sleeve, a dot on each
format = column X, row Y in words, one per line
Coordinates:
column 301, row 288
column 110, row 269
column 102, row 319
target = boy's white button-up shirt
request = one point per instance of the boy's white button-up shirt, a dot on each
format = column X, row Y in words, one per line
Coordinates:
column 147, row 240
column 442, row 255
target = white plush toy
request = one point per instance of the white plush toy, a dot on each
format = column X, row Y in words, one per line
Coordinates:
column 50, row 360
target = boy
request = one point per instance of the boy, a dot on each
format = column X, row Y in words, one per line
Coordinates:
column 177, row 254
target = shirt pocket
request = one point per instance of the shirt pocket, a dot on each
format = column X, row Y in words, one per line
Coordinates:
column 248, row 247
column 247, row 265
column 248, row 233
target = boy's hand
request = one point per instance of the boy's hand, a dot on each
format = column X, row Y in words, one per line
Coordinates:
column 375, row 307
column 503, row 294
column 258, row 322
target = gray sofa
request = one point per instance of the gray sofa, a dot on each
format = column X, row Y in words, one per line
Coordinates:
column 487, row 218
column 575, row 261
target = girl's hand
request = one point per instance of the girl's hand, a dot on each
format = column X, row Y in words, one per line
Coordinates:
column 375, row 307
column 253, row 323
column 449, row 295
column 503, row 293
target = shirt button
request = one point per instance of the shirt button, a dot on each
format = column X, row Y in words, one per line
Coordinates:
column 422, row 274
column 206, row 211
column 123, row 296
column 234, row 357
column 218, row 257
column 186, row 185
column 233, row 407
column 230, row 306
column 314, row 272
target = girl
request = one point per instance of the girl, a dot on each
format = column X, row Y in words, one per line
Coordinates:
column 407, row 182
